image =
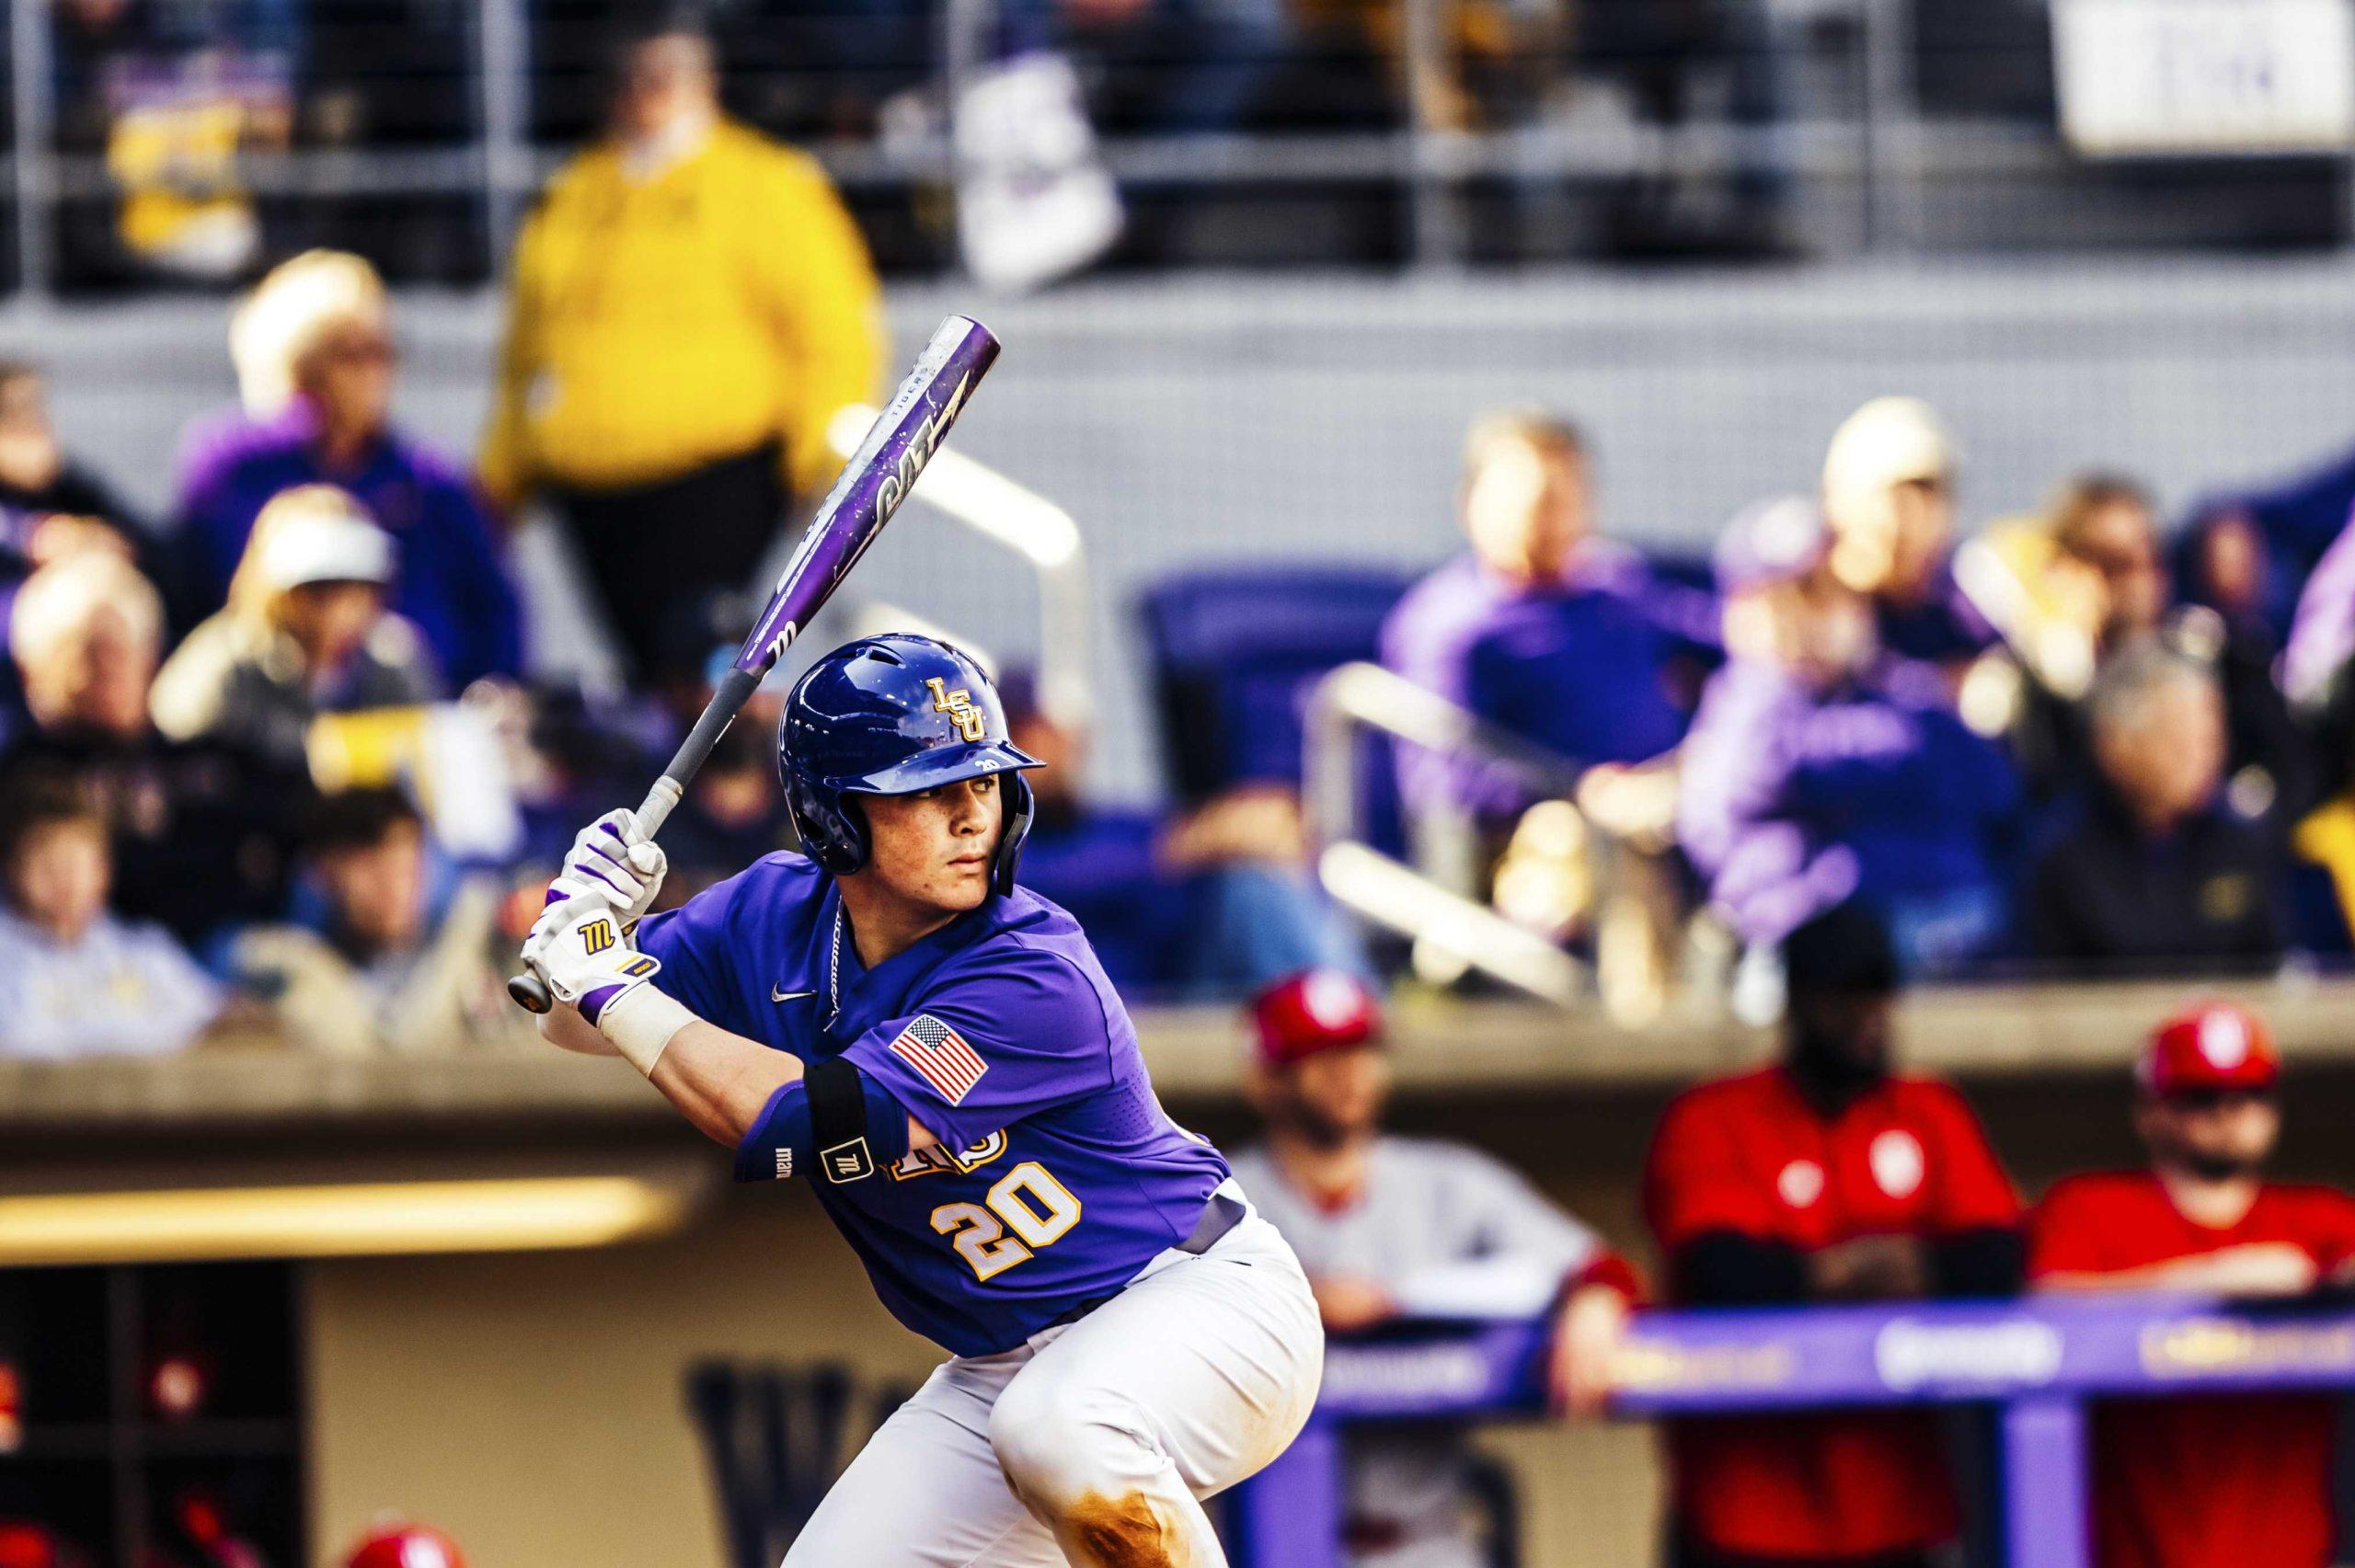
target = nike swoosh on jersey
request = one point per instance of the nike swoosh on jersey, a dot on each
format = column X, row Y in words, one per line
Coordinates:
column 777, row 994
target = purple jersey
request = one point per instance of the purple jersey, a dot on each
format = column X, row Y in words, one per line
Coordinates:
column 998, row 1032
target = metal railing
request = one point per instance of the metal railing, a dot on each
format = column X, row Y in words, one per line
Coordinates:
column 494, row 166
column 1848, row 117
column 1438, row 919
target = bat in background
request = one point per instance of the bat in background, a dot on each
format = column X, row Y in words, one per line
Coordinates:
column 873, row 483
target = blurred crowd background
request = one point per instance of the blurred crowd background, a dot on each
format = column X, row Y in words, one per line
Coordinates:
column 297, row 719
column 1483, row 498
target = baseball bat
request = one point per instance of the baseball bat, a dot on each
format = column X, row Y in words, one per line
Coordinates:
column 872, row 485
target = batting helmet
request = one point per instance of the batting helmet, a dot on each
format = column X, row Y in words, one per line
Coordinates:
column 405, row 1546
column 891, row 716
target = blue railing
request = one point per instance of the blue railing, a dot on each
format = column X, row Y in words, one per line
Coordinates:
column 2037, row 1362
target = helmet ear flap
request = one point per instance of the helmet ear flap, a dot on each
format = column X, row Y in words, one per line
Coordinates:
column 1021, row 806
column 831, row 828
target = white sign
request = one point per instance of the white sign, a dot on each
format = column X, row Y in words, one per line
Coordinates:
column 1034, row 202
column 2205, row 75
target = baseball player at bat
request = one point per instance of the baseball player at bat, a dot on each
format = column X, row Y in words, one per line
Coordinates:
column 889, row 1017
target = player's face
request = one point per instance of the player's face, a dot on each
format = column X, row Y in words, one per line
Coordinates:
column 662, row 78
column 378, row 891
column 1840, row 1037
column 2219, row 1134
column 349, row 375
column 328, row 620
column 1335, row 1094
column 2167, row 759
column 934, row 848
column 59, row 881
column 1527, row 509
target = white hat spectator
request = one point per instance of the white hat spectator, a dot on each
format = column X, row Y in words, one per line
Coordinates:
column 318, row 533
column 1888, row 441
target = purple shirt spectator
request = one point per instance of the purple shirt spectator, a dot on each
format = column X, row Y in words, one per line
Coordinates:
column 1794, row 801
column 453, row 581
column 2293, row 524
column 1943, row 628
column 2322, row 635
column 1579, row 668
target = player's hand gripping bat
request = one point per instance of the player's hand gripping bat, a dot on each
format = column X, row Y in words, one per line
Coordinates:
column 873, row 484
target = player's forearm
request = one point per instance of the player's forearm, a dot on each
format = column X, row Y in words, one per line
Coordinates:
column 721, row 1082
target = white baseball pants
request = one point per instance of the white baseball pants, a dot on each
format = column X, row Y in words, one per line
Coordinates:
column 1092, row 1444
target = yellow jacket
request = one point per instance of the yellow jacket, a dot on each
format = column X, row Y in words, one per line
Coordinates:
column 657, row 324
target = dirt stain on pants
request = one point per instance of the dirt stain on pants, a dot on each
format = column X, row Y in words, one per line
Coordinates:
column 1122, row 1532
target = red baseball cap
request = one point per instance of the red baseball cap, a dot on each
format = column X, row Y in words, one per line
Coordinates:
column 24, row 1544
column 1318, row 1010
column 406, row 1546
column 2212, row 1045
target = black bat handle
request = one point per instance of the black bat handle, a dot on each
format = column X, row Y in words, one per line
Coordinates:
column 736, row 687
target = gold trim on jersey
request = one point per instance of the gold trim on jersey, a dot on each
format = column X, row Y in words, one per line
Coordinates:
column 932, row 1161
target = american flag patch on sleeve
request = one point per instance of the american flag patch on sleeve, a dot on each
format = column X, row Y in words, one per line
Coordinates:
column 938, row 1052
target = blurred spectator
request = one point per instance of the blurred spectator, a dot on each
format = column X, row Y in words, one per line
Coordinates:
column 2250, row 553
column 50, row 508
column 1544, row 629
column 2090, row 581
column 2321, row 634
column 171, row 93
column 2103, row 527
column 1888, row 497
column 2159, row 870
column 1820, row 771
column 315, row 357
column 306, row 633
column 2239, row 1478
column 1215, row 903
column 203, row 831
column 691, row 306
column 66, row 504
column 379, row 973
column 75, row 980
column 1390, row 1227
column 1825, row 1178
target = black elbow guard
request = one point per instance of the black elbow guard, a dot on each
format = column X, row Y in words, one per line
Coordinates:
column 834, row 1122
column 854, row 1121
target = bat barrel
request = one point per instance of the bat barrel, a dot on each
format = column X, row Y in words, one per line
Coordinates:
column 873, row 483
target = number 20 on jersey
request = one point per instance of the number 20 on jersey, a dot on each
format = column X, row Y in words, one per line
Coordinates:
column 1032, row 1205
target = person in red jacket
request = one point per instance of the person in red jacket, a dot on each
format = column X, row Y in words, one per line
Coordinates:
column 1825, row 1177
column 2211, row 1482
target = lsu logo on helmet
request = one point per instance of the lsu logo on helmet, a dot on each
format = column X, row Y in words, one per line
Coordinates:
column 970, row 722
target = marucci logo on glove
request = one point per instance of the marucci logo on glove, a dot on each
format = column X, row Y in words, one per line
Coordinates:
column 598, row 936
column 941, row 1055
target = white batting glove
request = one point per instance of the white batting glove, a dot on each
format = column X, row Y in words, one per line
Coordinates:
column 580, row 947
column 612, row 863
